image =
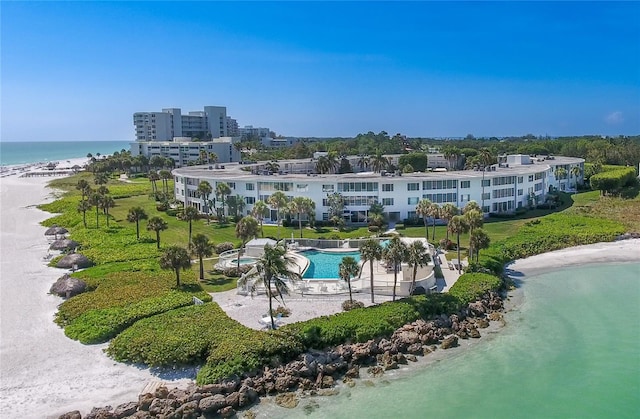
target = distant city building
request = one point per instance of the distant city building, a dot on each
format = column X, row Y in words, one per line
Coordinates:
column 170, row 123
column 250, row 131
column 232, row 127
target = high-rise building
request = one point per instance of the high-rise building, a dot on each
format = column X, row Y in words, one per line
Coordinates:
column 170, row 123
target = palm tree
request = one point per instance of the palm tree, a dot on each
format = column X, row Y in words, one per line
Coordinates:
column 83, row 207
column 458, row 225
column 212, row 158
column 204, row 190
column 447, row 212
column 417, row 256
column 107, row 202
column 486, row 158
column 153, row 178
column 96, row 200
column 222, row 190
column 575, row 172
column 423, row 209
column 157, row 224
column 322, row 165
column 301, row 205
column 378, row 161
column 101, row 178
column 84, row 188
column 348, row 268
column 259, row 211
column 246, row 229
column 175, row 258
column 479, row 239
column 363, row 162
column 134, row 216
column 272, row 268
column 201, row 247
column 102, row 190
column 165, row 175
column 190, row 214
column 371, row 250
column 395, row 253
column 278, row 201
column 434, row 212
column 471, row 205
column 474, row 219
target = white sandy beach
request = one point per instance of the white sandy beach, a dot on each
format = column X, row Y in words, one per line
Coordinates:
column 45, row 374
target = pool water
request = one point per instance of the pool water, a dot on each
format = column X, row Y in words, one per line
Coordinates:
column 324, row 264
column 244, row 261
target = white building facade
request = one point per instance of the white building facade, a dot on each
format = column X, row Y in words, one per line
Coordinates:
column 170, row 123
column 503, row 188
column 183, row 151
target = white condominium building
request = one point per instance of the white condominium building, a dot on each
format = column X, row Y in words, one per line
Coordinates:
column 170, row 123
column 518, row 181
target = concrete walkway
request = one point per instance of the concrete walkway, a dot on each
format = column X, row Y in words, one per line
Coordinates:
column 450, row 275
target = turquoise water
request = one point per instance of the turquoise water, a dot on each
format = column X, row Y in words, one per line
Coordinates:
column 33, row 152
column 325, row 264
column 244, row 261
column 570, row 350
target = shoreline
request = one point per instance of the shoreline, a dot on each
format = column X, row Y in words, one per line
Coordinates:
column 50, row 374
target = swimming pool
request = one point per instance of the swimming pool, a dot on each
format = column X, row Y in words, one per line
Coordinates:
column 243, row 261
column 324, row 265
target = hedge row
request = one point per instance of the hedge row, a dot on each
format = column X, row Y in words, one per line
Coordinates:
column 470, row 286
column 613, row 180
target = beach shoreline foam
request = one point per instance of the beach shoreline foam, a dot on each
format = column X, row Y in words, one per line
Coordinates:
column 45, row 374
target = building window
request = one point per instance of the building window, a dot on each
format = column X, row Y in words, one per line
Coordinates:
column 250, row 200
column 232, row 185
column 387, row 187
column 414, row 186
column 327, row 188
column 520, row 179
column 486, row 182
column 250, row 186
column 520, row 192
column 464, row 184
column 413, row 200
column 412, row 215
column 439, row 184
column 486, row 195
column 387, row 201
column 302, row 187
column 530, row 178
column 325, row 216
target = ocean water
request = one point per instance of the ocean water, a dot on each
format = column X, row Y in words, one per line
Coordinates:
column 12, row 153
column 570, row 350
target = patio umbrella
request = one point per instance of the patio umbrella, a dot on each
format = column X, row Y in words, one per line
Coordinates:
column 55, row 231
column 67, row 287
column 74, row 260
column 64, row 244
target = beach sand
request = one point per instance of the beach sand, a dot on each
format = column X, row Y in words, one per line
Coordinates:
column 45, row 374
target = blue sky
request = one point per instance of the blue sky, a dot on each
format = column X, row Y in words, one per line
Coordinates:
column 79, row 70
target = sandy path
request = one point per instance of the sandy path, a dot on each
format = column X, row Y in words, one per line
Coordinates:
column 42, row 372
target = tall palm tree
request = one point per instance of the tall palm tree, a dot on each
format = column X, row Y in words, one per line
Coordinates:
column 259, row 211
column 301, row 205
column 212, row 158
column 371, row 250
column 323, row 165
column 423, row 210
column 471, row 205
column 474, row 219
column 458, row 225
column 102, row 190
column 134, row 216
column 84, row 188
column 246, row 229
column 575, row 172
column 157, row 224
column 478, row 239
column 395, row 253
column 278, row 201
column 486, row 157
column 222, row 191
column 190, row 215
column 363, row 162
column 204, row 190
column 153, row 178
column 101, row 178
column 272, row 269
column 347, row 269
column 201, row 247
column 165, row 175
column 96, row 200
column 175, row 258
column 107, row 202
column 83, row 207
column 434, row 212
column 447, row 212
column 378, row 161
column 417, row 256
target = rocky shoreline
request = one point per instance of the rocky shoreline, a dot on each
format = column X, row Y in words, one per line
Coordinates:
column 312, row 373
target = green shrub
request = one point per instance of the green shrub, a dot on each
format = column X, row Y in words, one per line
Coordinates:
column 224, row 247
column 611, row 181
column 471, row 286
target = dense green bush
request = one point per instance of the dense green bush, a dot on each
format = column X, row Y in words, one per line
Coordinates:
column 471, row 286
column 224, row 247
column 611, row 181
column 97, row 326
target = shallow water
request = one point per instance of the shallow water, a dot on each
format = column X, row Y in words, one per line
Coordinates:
column 570, row 349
